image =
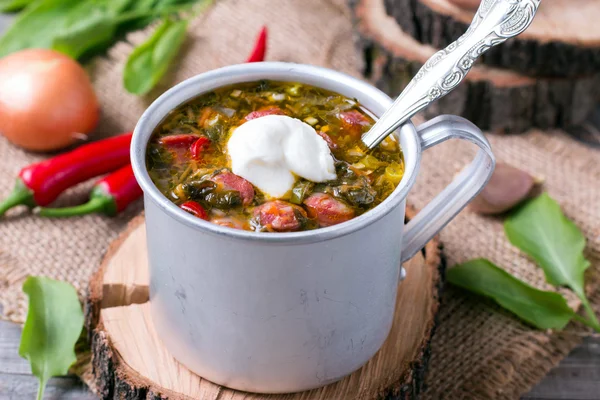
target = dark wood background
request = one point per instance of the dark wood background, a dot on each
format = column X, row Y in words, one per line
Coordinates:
column 576, row 378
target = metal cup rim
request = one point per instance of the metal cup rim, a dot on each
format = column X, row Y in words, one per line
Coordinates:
column 372, row 98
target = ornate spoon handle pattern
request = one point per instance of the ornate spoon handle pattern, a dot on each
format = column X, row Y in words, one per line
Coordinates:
column 494, row 22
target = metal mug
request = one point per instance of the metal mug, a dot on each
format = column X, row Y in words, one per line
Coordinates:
column 285, row 312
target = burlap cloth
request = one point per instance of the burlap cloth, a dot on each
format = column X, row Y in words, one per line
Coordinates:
column 478, row 351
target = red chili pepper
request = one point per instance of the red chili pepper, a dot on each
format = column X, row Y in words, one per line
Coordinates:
column 260, row 47
column 195, row 209
column 110, row 195
column 41, row 183
column 178, row 140
column 199, row 146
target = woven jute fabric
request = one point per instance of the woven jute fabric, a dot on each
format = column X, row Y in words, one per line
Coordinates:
column 478, row 351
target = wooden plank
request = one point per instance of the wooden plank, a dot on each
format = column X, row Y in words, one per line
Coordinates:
column 20, row 387
column 577, row 377
column 10, row 362
column 589, row 131
column 16, row 381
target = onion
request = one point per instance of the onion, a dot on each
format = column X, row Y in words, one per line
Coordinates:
column 46, row 100
column 228, row 112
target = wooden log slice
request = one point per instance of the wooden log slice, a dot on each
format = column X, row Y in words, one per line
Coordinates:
column 130, row 362
column 562, row 41
column 494, row 99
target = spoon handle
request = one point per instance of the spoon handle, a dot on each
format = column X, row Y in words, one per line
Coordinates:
column 494, row 22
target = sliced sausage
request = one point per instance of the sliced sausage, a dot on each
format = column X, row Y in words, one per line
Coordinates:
column 280, row 216
column 261, row 112
column 230, row 181
column 353, row 122
column 330, row 142
column 229, row 222
column 180, row 140
column 328, row 210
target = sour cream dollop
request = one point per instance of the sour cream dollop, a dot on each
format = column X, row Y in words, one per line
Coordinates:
column 272, row 151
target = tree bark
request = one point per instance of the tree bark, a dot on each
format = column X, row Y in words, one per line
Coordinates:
column 494, row 99
column 533, row 53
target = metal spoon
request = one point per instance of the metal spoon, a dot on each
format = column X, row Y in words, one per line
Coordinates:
column 494, row 22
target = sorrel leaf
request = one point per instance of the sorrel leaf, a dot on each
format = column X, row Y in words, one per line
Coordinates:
column 541, row 230
column 542, row 309
column 149, row 61
column 91, row 33
column 53, row 325
column 85, row 28
column 36, row 26
column 82, row 27
column 13, row 5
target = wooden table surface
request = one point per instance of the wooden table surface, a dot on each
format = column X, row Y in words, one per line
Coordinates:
column 576, row 378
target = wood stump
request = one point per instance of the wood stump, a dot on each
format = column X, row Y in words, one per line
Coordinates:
column 494, row 99
column 562, row 41
column 130, row 362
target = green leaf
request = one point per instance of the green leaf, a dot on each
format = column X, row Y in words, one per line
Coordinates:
column 36, row 26
column 90, row 27
column 66, row 25
column 95, row 25
column 82, row 27
column 96, row 33
column 149, row 61
column 118, row 6
column 542, row 309
column 142, row 5
column 14, row 5
column 139, row 14
column 143, row 12
column 53, row 325
column 541, row 230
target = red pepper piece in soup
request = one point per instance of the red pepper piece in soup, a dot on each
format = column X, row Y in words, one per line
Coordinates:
column 328, row 210
column 198, row 147
column 280, row 216
column 195, row 209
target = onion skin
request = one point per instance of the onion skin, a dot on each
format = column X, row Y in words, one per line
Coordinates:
column 507, row 188
column 46, row 100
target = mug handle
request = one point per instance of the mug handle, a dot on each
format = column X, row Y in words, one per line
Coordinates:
column 450, row 201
